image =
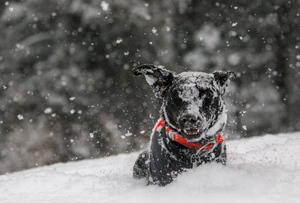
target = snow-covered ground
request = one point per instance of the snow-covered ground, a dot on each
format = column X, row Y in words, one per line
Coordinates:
column 260, row 169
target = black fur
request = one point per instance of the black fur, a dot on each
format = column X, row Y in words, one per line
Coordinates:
column 193, row 106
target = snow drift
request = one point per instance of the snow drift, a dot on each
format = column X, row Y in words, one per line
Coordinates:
column 260, row 169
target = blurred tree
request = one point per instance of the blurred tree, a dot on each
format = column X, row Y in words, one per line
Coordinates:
column 66, row 88
column 66, row 65
column 259, row 40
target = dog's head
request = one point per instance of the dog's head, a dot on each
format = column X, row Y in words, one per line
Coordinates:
column 193, row 102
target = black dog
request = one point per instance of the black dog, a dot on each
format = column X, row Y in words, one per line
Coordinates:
column 190, row 130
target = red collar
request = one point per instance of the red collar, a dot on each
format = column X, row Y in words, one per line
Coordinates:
column 176, row 137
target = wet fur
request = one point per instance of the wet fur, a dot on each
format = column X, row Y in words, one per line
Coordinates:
column 192, row 106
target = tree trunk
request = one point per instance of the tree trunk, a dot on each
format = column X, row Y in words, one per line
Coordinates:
column 282, row 57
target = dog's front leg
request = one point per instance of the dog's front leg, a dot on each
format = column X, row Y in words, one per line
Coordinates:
column 141, row 166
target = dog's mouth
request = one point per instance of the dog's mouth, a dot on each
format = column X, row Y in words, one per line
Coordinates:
column 191, row 131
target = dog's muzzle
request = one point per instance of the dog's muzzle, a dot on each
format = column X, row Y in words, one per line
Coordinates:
column 190, row 124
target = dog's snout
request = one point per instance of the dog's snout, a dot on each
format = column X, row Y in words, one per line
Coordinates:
column 189, row 119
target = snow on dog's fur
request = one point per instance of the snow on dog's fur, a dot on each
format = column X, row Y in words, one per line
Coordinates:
column 193, row 118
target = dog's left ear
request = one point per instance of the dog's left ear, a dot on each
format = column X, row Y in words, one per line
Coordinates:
column 223, row 78
column 157, row 77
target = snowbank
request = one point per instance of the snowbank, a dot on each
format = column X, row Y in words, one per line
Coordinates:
column 260, row 169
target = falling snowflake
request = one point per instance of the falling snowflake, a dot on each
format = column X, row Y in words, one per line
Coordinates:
column 104, row 6
column 234, row 24
column 119, row 40
column 48, row 111
column 154, row 30
column 20, row 117
column 128, row 134
column 91, row 135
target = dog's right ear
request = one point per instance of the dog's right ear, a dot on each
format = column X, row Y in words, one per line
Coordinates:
column 223, row 78
column 157, row 77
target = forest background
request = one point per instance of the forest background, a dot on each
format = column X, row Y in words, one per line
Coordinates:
column 66, row 88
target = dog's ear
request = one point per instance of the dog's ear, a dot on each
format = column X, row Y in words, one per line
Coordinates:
column 223, row 78
column 157, row 77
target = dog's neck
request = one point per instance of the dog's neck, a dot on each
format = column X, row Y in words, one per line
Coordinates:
column 175, row 136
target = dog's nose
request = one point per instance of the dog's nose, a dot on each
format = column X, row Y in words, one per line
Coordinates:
column 188, row 119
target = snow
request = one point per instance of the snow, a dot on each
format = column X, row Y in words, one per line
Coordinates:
column 20, row 117
column 105, row 6
column 219, row 124
column 209, row 35
column 259, row 169
column 48, row 110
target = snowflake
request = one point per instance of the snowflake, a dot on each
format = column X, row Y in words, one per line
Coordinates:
column 48, row 111
column 104, row 6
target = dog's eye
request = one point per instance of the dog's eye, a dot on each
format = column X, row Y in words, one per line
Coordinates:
column 207, row 99
column 175, row 97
